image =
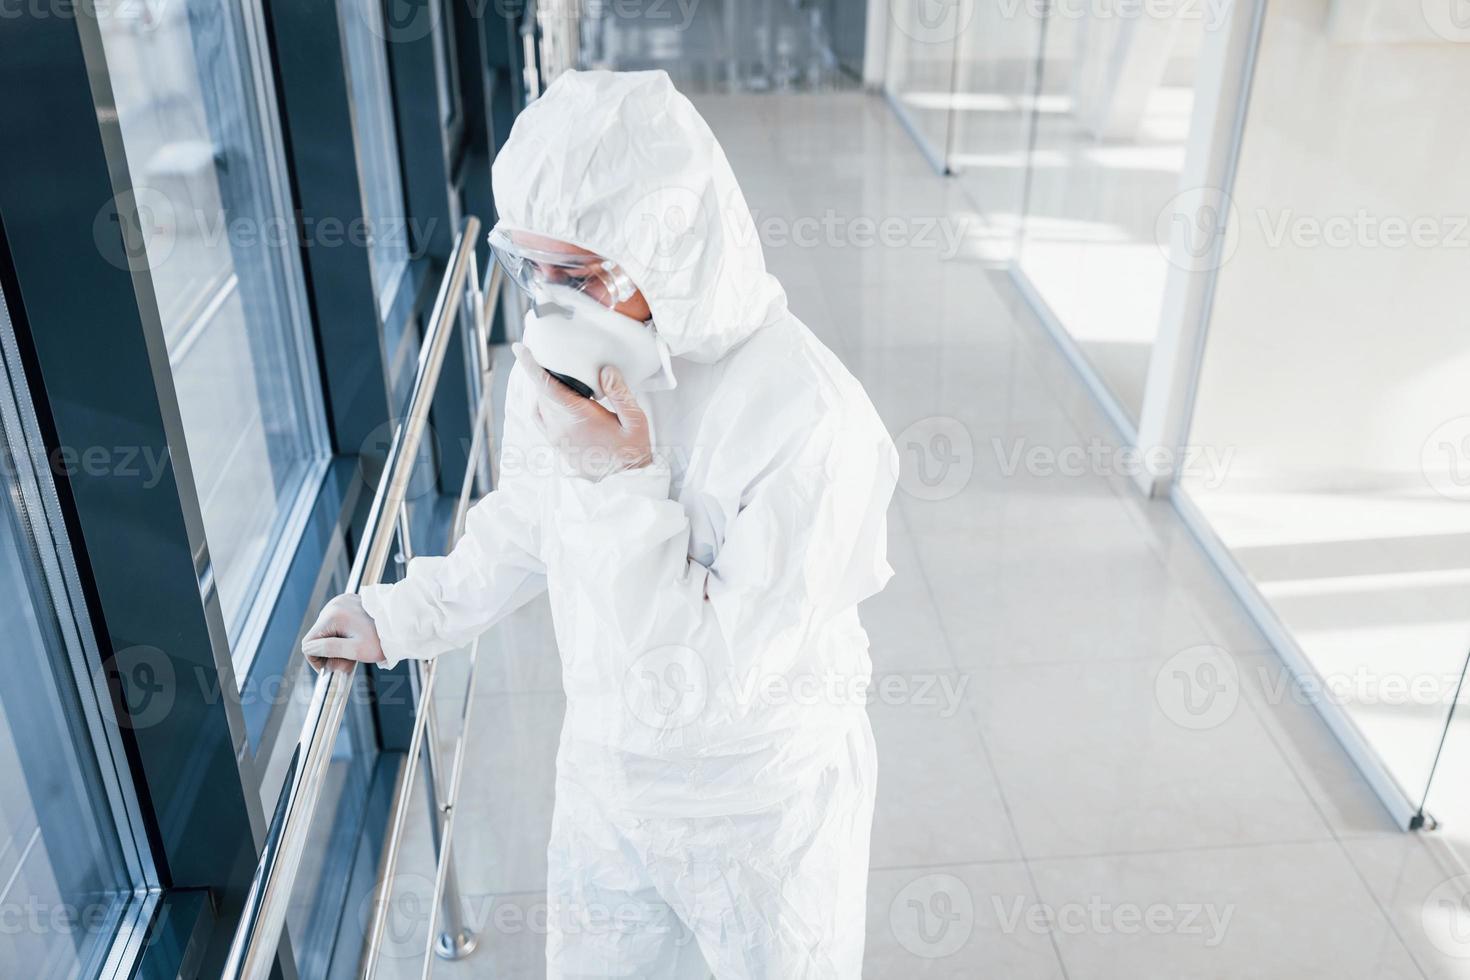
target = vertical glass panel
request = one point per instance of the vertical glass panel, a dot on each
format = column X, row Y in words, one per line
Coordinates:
column 377, row 148
column 923, row 39
column 61, row 867
column 995, row 77
column 711, row 45
column 221, row 253
column 1335, row 366
column 64, row 880
column 1448, row 800
column 1112, row 121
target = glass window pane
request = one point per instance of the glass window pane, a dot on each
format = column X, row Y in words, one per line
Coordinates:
column 1335, row 365
column 1448, row 799
column 205, row 171
column 1112, row 121
column 59, row 855
column 705, row 47
column 64, row 880
column 377, row 147
column 995, row 76
column 923, row 42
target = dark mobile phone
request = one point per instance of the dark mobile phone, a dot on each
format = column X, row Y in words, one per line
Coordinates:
column 572, row 383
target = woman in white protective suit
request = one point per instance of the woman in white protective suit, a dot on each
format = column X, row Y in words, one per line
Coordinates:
column 705, row 530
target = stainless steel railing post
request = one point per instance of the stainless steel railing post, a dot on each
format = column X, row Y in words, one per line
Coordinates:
column 446, row 881
column 383, row 895
column 455, row 940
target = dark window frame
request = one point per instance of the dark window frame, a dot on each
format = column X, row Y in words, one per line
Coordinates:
column 98, row 372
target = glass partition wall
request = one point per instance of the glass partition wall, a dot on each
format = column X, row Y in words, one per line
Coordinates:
column 1112, row 119
column 1335, row 370
column 1247, row 226
column 920, row 73
column 962, row 77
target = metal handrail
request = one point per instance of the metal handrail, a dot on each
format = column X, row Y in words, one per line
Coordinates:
column 456, row 941
column 253, row 951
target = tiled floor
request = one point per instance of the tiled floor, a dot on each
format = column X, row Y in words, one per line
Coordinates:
column 1091, row 768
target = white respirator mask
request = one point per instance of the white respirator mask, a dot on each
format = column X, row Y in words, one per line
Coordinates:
column 574, row 337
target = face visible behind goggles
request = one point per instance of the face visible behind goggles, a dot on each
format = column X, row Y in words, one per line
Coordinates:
column 572, row 327
column 532, row 262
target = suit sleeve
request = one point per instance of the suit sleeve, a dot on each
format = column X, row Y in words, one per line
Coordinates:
column 445, row 602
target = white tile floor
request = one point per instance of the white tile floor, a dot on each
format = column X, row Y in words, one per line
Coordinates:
column 1055, row 801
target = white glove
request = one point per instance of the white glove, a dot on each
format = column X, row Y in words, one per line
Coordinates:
column 343, row 633
column 595, row 442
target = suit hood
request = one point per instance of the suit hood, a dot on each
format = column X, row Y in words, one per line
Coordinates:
column 622, row 164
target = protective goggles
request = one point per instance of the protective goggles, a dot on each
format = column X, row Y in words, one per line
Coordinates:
column 529, row 264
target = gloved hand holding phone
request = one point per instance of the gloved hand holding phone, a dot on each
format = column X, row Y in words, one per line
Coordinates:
column 594, row 441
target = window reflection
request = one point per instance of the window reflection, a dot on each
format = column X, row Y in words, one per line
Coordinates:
column 221, row 256
column 377, row 150
column 64, row 880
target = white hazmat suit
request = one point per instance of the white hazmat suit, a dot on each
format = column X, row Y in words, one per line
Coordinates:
column 716, row 771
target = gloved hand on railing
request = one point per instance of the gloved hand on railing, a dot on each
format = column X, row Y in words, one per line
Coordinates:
column 343, row 634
